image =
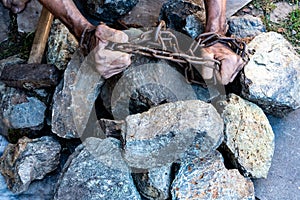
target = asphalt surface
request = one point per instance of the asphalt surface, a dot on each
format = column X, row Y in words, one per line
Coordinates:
column 283, row 181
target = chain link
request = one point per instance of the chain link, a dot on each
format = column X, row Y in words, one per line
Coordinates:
column 163, row 44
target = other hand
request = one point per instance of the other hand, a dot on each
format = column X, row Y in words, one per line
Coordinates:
column 231, row 63
column 108, row 62
column 16, row 6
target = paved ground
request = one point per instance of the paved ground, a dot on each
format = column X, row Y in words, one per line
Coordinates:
column 283, row 182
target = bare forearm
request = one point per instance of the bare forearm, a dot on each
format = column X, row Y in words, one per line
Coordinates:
column 215, row 16
column 67, row 12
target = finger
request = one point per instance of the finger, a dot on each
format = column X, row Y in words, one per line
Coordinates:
column 104, row 32
column 7, row 3
column 112, row 57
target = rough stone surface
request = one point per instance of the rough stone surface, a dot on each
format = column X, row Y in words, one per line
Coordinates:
column 283, row 180
column 154, row 184
column 74, row 97
column 245, row 26
column 186, row 16
column 143, row 86
column 27, row 114
column 28, row 19
column 108, row 11
column 38, row 190
column 144, row 14
column 249, row 137
column 28, row 160
column 6, row 92
column 4, row 23
column 207, row 178
column 170, row 131
column 271, row 78
column 18, row 109
column 25, row 76
column 96, row 170
column 61, row 45
column 281, row 11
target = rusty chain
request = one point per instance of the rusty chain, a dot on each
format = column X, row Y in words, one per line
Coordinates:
column 163, row 44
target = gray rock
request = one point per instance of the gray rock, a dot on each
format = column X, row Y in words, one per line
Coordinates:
column 283, row 180
column 6, row 93
column 38, row 190
column 109, row 11
column 144, row 14
column 27, row 114
column 4, row 23
column 96, row 170
column 28, row 19
column 207, row 178
column 171, row 131
column 186, row 16
column 28, row 160
column 74, row 97
column 143, row 86
column 18, row 109
column 245, row 26
column 281, row 11
column 154, row 184
column 249, row 137
column 61, row 45
column 271, row 78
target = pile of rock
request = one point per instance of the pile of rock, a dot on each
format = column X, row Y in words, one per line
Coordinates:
column 165, row 142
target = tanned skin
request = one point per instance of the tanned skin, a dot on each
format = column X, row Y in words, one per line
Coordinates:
column 109, row 63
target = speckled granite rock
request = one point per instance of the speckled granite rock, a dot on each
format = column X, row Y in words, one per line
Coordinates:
column 28, row 19
column 154, row 184
column 4, row 23
column 29, row 113
column 61, row 45
column 95, row 171
column 271, row 78
column 74, row 97
column 28, row 160
column 207, row 178
column 171, row 131
column 186, row 16
column 245, row 26
column 249, row 137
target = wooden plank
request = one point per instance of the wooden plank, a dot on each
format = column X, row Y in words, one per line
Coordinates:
column 235, row 5
column 41, row 37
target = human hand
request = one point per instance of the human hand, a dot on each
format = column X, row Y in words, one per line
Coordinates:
column 231, row 63
column 108, row 62
column 16, row 6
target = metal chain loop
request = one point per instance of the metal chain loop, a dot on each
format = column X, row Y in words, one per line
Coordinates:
column 163, row 44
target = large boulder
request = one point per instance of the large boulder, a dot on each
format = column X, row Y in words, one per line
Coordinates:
column 74, row 97
column 207, row 178
column 249, row 137
column 29, row 160
column 271, row 78
column 96, row 170
column 171, row 131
